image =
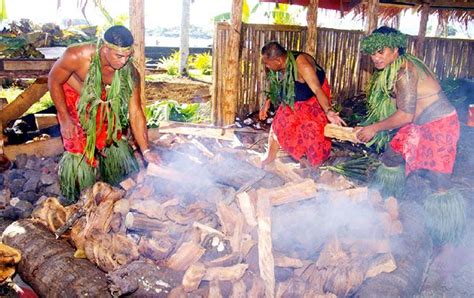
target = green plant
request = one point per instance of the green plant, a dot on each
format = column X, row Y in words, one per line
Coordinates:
column 202, row 62
column 171, row 110
column 171, row 63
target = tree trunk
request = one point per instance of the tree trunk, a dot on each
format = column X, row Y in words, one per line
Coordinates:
column 137, row 25
column 425, row 11
column 372, row 16
column 24, row 101
column 48, row 265
column 184, row 36
column 312, row 20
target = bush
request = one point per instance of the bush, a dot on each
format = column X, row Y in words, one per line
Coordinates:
column 171, row 63
column 202, row 62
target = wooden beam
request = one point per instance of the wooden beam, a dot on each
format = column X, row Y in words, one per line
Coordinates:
column 312, row 20
column 425, row 12
column 232, row 71
column 137, row 26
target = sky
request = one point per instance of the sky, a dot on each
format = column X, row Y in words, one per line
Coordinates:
column 166, row 13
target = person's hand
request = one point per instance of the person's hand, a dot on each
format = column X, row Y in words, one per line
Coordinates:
column 366, row 133
column 151, row 156
column 334, row 118
column 262, row 114
column 68, row 128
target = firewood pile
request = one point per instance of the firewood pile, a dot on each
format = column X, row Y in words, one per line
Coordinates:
column 208, row 222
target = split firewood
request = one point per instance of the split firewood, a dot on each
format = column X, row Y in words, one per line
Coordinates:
column 381, row 263
column 343, row 279
column 150, row 208
column 228, row 217
column 391, row 205
column 357, row 194
column 215, row 289
column 164, row 172
column 247, row 244
column 290, row 192
column 225, row 261
column 141, row 192
column 156, row 249
column 193, row 276
column 265, row 254
column 285, row 171
column 232, row 273
column 257, row 289
column 143, row 224
column 341, row 133
column 122, row 206
column 359, row 246
column 207, row 230
column 186, row 255
column 51, row 213
column 332, row 254
column 99, row 220
column 296, row 287
column 239, row 290
column 284, row 261
column 246, row 206
column 204, row 150
column 128, row 184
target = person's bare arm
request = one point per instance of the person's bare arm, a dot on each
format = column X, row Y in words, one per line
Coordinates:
column 406, row 94
column 309, row 75
column 138, row 122
column 59, row 74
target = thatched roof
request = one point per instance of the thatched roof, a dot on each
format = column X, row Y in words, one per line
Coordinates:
column 459, row 10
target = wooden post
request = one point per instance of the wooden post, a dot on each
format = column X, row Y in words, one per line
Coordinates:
column 312, row 20
column 425, row 12
column 24, row 101
column 372, row 16
column 137, row 26
column 232, row 71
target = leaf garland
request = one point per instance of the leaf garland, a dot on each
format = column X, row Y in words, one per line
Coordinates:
column 114, row 107
column 282, row 90
column 378, row 41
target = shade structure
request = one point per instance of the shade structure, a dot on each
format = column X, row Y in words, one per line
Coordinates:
column 344, row 5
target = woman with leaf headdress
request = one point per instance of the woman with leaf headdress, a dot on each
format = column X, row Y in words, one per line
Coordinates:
column 405, row 95
column 298, row 86
column 95, row 90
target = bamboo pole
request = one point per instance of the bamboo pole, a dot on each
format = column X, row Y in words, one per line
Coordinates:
column 137, row 26
column 312, row 20
column 425, row 10
column 232, row 66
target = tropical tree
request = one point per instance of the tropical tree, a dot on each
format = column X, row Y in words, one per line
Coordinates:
column 184, row 37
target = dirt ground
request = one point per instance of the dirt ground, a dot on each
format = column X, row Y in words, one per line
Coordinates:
column 182, row 90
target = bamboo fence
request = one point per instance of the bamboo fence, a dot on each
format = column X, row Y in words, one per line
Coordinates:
column 338, row 52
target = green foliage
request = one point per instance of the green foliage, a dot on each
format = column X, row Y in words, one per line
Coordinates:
column 282, row 91
column 281, row 15
column 379, row 41
column 118, row 162
column 171, row 110
column 202, row 62
column 358, row 168
column 75, row 174
column 171, row 63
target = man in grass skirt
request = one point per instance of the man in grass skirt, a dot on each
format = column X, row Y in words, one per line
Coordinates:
column 96, row 90
column 405, row 95
column 298, row 86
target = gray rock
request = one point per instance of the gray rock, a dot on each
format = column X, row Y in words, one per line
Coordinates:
column 32, row 162
column 53, row 189
column 11, row 213
column 24, row 208
column 29, row 196
column 20, row 161
column 16, row 186
column 31, row 184
column 4, row 198
column 2, row 181
column 48, row 179
column 15, row 174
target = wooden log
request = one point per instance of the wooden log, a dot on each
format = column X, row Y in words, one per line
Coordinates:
column 284, row 170
column 381, row 263
column 164, row 172
column 128, row 184
column 193, row 276
column 137, row 26
column 265, row 254
column 45, row 120
column 247, row 207
column 46, row 148
column 156, row 249
column 341, row 133
column 24, row 101
column 312, row 21
column 48, row 265
column 143, row 224
column 290, row 192
column 239, row 290
column 186, row 255
column 284, row 261
column 232, row 273
column 150, row 208
column 411, row 260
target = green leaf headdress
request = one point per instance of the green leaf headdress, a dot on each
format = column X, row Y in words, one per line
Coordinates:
column 378, row 41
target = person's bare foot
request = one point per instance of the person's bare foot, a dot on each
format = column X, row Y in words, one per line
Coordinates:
column 266, row 160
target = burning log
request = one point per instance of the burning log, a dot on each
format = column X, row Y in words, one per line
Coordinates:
column 156, row 249
column 193, row 276
column 232, row 273
column 45, row 259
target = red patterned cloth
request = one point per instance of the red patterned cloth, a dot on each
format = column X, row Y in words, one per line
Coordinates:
column 78, row 142
column 301, row 131
column 430, row 146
